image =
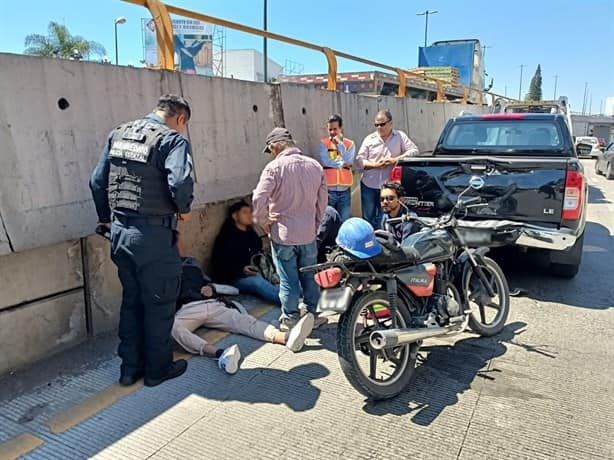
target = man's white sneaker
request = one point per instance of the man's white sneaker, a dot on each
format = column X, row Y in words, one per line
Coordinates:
column 229, row 361
column 298, row 334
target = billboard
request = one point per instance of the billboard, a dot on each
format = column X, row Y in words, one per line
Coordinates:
column 193, row 45
column 464, row 55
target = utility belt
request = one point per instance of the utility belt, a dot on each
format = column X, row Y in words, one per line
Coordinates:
column 160, row 221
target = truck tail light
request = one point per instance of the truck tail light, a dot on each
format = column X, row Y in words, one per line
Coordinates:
column 574, row 191
column 396, row 173
column 328, row 278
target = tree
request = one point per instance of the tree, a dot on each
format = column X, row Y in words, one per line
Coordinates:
column 535, row 89
column 60, row 43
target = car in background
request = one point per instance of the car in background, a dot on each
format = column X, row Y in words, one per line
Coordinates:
column 605, row 162
column 589, row 140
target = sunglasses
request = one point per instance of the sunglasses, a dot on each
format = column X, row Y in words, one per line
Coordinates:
column 388, row 198
column 380, row 125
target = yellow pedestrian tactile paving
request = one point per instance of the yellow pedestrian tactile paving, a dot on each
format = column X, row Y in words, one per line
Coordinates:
column 67, row 419
column 18, row 446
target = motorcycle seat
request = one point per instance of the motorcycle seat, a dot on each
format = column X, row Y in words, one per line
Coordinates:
column 393, row 252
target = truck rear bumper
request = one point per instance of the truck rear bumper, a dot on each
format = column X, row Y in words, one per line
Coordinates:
column 506, row 232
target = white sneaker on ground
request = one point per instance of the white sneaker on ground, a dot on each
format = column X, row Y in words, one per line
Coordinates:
column 229, row 361
column 298, row 334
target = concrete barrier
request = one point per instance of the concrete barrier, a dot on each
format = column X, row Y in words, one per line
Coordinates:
column 55, row 116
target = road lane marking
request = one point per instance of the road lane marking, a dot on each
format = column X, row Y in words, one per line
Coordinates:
column 68, row 418
column 19, row 446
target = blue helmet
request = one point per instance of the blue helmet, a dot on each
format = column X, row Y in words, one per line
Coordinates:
column 357, row 237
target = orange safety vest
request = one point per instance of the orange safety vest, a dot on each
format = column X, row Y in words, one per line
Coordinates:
column 337, row 177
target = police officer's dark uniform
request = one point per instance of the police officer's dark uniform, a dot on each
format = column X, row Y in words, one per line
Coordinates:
column 141, row 182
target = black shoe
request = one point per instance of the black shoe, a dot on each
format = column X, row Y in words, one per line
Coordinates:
column 176, row 369
column 130, row 379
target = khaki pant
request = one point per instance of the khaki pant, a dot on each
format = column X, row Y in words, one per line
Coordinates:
column 215, row 315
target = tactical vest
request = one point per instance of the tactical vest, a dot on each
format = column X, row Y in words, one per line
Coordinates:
column 135, row 182
column 337, row 177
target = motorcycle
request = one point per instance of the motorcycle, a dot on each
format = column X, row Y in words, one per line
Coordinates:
column 431, row 285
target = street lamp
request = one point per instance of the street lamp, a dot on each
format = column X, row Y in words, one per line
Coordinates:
column 426, row 26
column 120, row 20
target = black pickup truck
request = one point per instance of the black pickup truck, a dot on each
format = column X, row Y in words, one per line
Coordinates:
column 534, row 194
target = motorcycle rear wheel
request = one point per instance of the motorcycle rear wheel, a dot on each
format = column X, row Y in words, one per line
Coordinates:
column 376, row 374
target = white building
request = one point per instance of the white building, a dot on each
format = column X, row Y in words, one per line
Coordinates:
column 249, row 65
column 609, row 106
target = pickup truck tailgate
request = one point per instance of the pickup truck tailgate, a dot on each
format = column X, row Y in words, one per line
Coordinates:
column 526, row 189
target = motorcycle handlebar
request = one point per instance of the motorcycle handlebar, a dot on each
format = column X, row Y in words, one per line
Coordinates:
column 460, row 205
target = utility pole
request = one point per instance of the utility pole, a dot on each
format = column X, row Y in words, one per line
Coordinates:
column 426, row 13
column 556, row 80
column 266, row 57
column 590, row 105
column 522, row 66
column 584, row 99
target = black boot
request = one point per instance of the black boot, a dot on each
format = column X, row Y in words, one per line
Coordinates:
column 130, row 379
column 176, row 369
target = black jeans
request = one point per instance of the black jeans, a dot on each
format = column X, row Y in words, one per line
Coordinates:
column 149, row 269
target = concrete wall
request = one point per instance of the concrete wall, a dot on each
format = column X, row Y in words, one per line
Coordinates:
column 57, row 284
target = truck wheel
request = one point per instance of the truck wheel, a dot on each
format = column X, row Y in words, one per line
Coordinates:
column 567, row 263
column 610, row 172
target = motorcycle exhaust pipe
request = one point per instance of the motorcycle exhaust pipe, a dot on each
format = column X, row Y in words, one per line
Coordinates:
column 389, row 338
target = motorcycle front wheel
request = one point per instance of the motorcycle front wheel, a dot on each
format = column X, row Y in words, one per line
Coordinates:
column 488, row 314
column 377, row 374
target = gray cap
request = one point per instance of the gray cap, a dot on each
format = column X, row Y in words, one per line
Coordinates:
column 277, row 135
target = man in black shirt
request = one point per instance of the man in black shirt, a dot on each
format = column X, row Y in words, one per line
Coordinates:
column 234, row 248
column 391, row 197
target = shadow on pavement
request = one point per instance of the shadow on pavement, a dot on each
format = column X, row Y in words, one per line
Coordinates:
column 596, row 196
column 448, row 371
column 272, row 386
column 591, row 288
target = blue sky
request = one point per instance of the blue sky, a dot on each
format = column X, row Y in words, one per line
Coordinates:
column 572, row 39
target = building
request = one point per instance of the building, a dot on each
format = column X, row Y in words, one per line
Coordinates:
column 248, row 65
column 609, row 106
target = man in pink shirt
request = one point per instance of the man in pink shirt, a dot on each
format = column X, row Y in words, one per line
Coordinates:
column 379, row 153
column 289, row 202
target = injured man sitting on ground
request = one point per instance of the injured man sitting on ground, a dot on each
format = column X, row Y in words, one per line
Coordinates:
column 199, row 305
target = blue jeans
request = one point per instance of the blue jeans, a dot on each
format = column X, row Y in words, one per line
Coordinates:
column 257, row 285
column 289, row 260
column 342, row 202
column 371, row 207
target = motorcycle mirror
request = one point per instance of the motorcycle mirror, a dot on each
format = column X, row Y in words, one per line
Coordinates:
column 476, row 182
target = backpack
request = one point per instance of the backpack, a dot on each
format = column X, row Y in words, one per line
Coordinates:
column 263, row 264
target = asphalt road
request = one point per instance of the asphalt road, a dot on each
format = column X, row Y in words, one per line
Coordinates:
column 542, row 389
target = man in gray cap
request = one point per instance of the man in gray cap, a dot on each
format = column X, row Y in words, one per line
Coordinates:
column 289, row 202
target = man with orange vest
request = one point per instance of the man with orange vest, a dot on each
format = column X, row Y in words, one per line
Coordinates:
column 337, row 156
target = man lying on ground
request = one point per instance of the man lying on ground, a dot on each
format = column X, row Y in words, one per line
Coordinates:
column 198, row 306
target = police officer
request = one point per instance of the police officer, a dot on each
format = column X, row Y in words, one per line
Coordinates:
column 141, row 186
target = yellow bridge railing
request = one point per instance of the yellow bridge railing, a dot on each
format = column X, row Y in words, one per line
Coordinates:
column 164, row 33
